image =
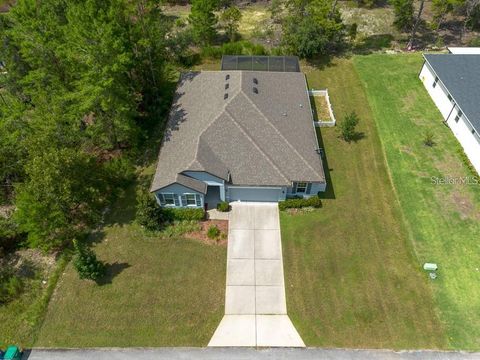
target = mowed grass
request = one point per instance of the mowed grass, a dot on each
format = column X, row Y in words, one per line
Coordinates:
column 443, row 220
column 158, row 292
column 351, row 276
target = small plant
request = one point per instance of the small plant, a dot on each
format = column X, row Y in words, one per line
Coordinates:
column 429, row 138
column 86, row 263
column 223, row 206
column 348, row 127
column 213, row 232
column 11, row 286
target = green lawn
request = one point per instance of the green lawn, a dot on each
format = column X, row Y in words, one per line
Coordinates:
column 443, row 221
column 158, row 292
column 352, row 278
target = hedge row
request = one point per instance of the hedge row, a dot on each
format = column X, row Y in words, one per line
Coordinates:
column 297, row 203
column 171, row 214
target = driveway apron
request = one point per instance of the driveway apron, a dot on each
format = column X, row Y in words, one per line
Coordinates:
column 255, row 305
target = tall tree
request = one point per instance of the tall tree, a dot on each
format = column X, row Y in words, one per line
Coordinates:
column 230, row 19
column 312, row 28
column 418, row 19
column 62, row 197
column 204, row 20
column 403, row 10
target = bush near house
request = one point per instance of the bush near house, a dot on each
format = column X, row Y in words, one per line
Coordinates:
column 298, row 203
column 223, row 206
column 171, row 214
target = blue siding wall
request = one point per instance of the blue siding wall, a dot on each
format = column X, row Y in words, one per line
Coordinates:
column 178, row 190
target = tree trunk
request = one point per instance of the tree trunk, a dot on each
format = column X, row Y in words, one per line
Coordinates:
column 415, row 25
column 334, row 7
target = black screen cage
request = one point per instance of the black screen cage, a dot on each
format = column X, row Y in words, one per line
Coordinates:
column 261, row 63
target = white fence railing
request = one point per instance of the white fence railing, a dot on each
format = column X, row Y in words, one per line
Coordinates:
column 322, row 123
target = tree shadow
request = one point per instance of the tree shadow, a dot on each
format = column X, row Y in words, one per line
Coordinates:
column 373, row 43
column 112, row 270
column 329, row 192
column 320, row 62
column 357, row 136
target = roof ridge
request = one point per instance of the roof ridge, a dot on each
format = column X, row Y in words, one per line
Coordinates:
column 210, row 124
column 256, row 145
column 280, row 134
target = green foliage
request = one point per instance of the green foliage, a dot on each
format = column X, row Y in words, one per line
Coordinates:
column 223, row 206
column 86, row 263
column 297, row 203
column 10, row 234
column 230, row 19
column 11, row 286
column 348, row 125
column 63, row 195
column 429, row 138
column 233, row 48
column 213, row 232
column 203, row 20
column 178, row 228
column 352, row 31
column 404, row 17
column 314, row 30
column 467, row 163
column 475, row 42
column 148, row 214
column 83, row 81
column 179, row 214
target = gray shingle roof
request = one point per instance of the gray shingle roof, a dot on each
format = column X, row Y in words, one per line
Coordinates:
column 264, row 138
column 461, row 76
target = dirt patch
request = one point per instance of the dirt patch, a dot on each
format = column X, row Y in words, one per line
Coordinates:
column 464, row 206
column 320, row 108
column 29, row 263
column 201, row 235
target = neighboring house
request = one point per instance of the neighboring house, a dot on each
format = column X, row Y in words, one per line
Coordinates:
column 453, row 82
column 238, row 136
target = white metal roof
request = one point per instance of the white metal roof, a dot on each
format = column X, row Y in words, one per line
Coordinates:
column 465, row 50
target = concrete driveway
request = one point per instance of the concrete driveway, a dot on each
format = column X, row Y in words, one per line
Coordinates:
column 255, row 305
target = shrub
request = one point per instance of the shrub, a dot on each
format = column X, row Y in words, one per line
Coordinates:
column 10, row 235
column 178, row 228
column 223, row 206
column 429, row 138
column 149, row 214
column 298, row 203
column 233, row 48
column 11, row 286
column 87, row 264
column 213, row 232
column 179, row 214
column 348, row 127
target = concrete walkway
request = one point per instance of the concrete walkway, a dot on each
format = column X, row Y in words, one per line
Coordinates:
column 242, row 354
column 255, row 306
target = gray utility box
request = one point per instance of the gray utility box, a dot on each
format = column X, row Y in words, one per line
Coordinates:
column 430, row 267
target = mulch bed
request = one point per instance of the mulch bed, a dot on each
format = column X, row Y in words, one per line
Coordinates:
column 201, row 235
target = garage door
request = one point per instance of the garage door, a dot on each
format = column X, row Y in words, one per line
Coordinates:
column 254, row 194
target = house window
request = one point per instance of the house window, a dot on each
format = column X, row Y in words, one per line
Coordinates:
column 168, row 199
column 190, row 198
column 450, row 98
column 459, row 115
column 435, row 82
column 301, row 187
column 473, row 131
